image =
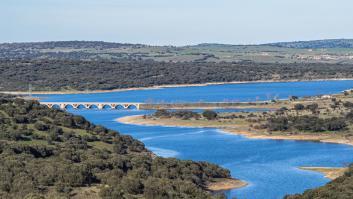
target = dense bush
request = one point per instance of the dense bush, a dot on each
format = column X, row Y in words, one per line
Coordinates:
column 348, row 104
column 306, row 123
column 299, row 107
column 42, row 74
column 186, row 115
column 278, row 124
column 312, row 107
column 210, row 115
column 54, row 150
column 182, row 114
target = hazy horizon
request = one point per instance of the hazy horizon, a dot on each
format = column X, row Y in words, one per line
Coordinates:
column 179, row 23
column 172, row 45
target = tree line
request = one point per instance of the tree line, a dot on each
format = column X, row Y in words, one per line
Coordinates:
column 42, row 74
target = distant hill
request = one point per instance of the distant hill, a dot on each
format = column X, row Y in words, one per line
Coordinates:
column 68, row 44
column 336, row 51
column 328, row 43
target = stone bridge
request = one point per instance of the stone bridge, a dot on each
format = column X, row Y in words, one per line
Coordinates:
column 91, row 105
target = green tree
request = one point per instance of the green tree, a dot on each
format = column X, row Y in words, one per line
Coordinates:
column 210, row 115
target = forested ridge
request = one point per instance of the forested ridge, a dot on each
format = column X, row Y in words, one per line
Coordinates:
column 315, row 44
column 61, row 75
column 47, row 153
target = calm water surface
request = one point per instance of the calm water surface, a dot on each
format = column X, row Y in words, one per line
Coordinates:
column 269, row 166
column 215, row 93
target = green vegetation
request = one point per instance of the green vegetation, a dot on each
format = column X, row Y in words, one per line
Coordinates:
column 210, row 115
column 105, row 66
column 306, row 123
column 185, row 114
column 106, row 75
column 331, row 115
column 329, row 43
column 340, row 188
column 325, row 51
column 312, row 117
column 46, row 153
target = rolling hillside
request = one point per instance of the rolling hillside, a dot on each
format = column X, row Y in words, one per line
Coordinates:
column 324, row 51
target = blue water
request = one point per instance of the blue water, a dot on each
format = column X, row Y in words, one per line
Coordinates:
column 269, row 166
column 215, row 93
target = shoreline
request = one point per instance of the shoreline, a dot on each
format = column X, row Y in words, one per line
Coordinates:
column 168, row 86
column 221, row 185
column 138, row 120
column 329, row 172
column 225, row 184
column 303, row 137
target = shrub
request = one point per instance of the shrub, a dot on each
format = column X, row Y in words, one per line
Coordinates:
column 277, row 124
column 40, row 126
column 312, row 107
column 210, row 115
column 348, row 104
column 299, row 107
column 162, row 113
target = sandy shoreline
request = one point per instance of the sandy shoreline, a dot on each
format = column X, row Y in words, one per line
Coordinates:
column 303, row 137
column 329, row 172
column 167, row 86
column 138, row 120
column 226, row 184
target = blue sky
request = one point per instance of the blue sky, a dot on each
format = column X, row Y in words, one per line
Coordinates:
column 175, row 22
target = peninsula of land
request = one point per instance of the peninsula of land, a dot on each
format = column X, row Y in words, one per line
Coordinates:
column 329, row 172
column 326, row 119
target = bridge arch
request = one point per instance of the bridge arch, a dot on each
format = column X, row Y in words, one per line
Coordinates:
column 119, row 107
column 81, row 106
column 106, row 106
column 55, row 106
column 132, row 106
column 91, row 105
column 70, row 106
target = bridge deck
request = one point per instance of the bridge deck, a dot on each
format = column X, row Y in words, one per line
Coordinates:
column 90, row 105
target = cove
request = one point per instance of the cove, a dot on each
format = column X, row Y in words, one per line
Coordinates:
column 269, row 166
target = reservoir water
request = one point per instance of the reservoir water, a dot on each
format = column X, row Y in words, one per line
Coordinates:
column 269, row 166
